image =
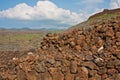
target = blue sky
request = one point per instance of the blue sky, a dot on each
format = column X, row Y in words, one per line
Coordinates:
column 55, row 14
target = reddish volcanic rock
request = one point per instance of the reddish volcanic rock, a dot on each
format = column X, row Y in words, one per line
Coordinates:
column 87, row 54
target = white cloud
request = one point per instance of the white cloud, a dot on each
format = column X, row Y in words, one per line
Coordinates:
column 43, row 10
column 115, row 4
column 20, row 11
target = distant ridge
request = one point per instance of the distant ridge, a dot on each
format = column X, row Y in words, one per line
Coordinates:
column 105, row 11
column 98, row 18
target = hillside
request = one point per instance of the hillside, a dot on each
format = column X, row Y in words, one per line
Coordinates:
column 98, row 18
column 78, row 54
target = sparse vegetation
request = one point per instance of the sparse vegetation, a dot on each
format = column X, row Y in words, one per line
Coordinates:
column 105, row 16
column 22, row 40
column 99, row 18
column 19, row 41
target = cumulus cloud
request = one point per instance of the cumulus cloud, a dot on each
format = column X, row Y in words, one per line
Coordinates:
column 43, row 10
column 115, row 4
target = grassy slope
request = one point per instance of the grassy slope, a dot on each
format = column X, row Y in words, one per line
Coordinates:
column 22, row 40
column 97, row 19
column 19, row 41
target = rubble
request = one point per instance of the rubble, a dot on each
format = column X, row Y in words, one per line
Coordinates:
column 74, row 55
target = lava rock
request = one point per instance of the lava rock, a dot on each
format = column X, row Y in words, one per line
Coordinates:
column 73, row 67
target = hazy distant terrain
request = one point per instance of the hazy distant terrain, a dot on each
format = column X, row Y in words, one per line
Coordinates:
column 20, row 39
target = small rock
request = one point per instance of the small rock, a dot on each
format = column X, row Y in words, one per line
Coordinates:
column 32, row 75
column 2, row 78
column 69, row 76
column 110, row 33
column 80, row 39
column 21, row 75
column 109, row 65
column 92, row 73
column 89, row 57
column 73, row 67
column 111, row 71
column 89, row 65
column 72, row 44
column 77, row 47
column 29, row 53
column 58, row 63
column 30, row 57
column 51, row 61
column 99, row 61
column 94, row 48
column 118, row 56
column 116, row 62
column 118, row 69
column 44, row 76
column 96, row 77
column 14, row 58
column 84, row 69
column 49, row 35
column 44, row 47
column 118, row 43
column 25, row 66
column 117, row 34
column 100, row 42
column 102, row 70
column 82, row 74
column 40, row 68
column 104, row 76
column 118, row 77
column 56, row 74
column 101, row 48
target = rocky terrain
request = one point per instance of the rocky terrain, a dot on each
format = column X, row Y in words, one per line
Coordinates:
column 79, row 54
column 97, row 18
column 91, row 53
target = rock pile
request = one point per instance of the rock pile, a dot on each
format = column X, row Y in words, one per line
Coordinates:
column 92, row 54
